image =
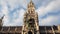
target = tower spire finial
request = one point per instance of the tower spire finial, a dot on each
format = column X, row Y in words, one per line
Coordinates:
column 30, row 0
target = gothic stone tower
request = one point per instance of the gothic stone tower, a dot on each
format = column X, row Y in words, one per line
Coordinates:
column 31, row 25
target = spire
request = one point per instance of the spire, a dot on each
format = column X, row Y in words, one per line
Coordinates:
column 31, row 7
column 31, row 4
column 30, row 0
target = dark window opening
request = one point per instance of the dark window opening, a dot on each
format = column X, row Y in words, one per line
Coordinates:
column 12, row 28
column 29, row 32
column 5, row 28
column 48, row 28
column 17, row 33
column 49, row 33
column 11, row 33
column 42, row 33
column 42, row 28
column 31, row 21
column 55, row 28
column 19, row 29
column 0, row 28
column 3, row 33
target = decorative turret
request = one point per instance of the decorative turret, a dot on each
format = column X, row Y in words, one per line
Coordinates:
column 1, row 19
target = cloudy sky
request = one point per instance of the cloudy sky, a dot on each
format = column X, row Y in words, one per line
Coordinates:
column 48, row 11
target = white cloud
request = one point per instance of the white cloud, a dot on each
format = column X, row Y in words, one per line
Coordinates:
column 6, row 15
column 54, row 5
column 44, row 10
column 19, row 20
column 16, row 21
column 13, row 3
column 48, row 20
column 5, row 12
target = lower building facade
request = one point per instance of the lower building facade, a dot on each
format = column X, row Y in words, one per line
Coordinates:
column 18, row 30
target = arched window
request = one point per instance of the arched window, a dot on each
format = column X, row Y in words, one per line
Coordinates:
column 31, row 20
column 29, row 32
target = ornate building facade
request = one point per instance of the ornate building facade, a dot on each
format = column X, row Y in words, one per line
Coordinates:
column 30, row 26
